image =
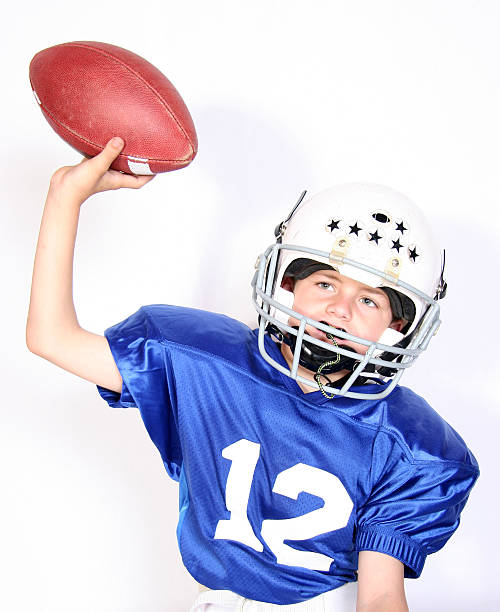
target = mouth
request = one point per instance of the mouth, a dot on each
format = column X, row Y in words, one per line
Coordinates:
column 329, row 338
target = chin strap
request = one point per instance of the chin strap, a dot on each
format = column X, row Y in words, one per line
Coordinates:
column 318, row 360
column 315, row 358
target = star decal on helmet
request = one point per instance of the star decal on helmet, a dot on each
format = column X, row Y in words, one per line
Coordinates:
column 413, row 253
column 396, row 245
column 355, row 229
column 375, row 237
column 332, row 224
column 401, row 228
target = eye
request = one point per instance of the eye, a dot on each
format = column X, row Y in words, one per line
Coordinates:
column 369, row 302
column 324, row 285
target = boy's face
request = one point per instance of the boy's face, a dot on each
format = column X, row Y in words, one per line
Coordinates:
column 343, row 303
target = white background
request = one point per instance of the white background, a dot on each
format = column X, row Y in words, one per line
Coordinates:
column 285, row 96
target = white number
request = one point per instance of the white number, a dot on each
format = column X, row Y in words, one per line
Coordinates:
column 297, row 479
column 333, row 515
column 244, row 456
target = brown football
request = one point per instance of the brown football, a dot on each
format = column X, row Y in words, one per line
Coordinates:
column 92, row 91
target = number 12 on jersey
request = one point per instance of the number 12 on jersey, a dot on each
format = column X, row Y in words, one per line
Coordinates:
column 299, row 478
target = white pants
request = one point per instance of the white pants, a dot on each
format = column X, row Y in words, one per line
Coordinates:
column 342, row 599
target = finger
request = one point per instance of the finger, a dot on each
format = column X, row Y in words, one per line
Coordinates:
column 117, row 180
column 134, row 181
column 108, row 154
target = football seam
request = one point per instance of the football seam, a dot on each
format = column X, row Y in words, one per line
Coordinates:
column 98, row 146
column 157, row 94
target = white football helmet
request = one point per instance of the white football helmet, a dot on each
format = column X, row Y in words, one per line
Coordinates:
column 376, row 236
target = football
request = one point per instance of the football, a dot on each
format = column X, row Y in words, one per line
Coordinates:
column 92, row 91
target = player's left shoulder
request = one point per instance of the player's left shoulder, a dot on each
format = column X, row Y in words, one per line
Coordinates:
column 423, row 431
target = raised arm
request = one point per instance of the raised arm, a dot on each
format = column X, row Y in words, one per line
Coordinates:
column 52, row 330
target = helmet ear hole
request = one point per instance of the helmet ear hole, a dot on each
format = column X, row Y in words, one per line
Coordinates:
column 403, row 308
column 287, row 283
column 398, row 324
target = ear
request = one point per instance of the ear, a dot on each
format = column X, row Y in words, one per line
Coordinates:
column 398, row 324
column 287, row 284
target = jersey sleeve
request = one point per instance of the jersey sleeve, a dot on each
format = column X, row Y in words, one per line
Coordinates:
column 414, row 507
column 144, row 364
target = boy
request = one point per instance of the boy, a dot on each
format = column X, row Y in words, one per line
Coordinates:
column 302, row 467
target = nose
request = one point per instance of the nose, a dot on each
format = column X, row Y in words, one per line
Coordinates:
column 340, row 307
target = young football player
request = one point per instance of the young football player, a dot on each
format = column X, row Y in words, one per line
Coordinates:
column 303, row 466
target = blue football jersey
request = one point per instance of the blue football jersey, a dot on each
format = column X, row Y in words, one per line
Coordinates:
column 280, row 489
